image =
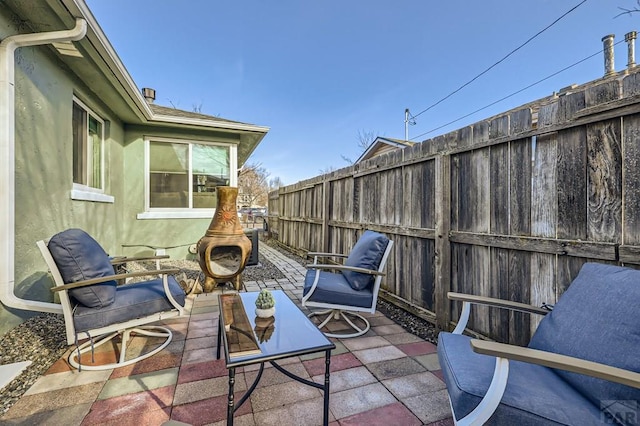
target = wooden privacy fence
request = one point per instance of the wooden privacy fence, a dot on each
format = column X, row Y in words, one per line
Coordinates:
column 510, row 207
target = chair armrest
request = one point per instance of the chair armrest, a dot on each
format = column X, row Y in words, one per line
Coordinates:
column 553, row 360
column 345, row 268
column 91, row 281
column 321, row 254
column 499, row 303
column 123, row 259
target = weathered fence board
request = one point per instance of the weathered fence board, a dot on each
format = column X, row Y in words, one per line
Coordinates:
column 509, row 207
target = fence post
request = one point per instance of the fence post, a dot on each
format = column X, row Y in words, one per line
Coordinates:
column 442, row 244
column 325, row 214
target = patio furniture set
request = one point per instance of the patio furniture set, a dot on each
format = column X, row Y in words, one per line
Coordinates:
column 581, row 366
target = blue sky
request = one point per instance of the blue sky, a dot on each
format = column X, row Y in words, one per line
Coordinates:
column 320, row 73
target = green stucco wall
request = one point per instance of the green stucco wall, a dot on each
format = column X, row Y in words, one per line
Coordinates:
column 44, row 91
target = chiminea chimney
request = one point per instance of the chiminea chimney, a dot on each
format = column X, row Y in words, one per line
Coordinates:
column 149, row 94
column 630, row 38
column 609, row 66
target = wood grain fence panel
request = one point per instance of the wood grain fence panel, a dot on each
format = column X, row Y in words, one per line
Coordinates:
column 467, row 196
column 519, row 291
column 572, row 202
column 499, row 193
column 543, row 283
column 520, row 121
column 499, row 288
column 604, row 158
column 480, row 276
column 544, row 200
column 520, row 187
column 428, row 194
column 454, row 196
column 631, row 175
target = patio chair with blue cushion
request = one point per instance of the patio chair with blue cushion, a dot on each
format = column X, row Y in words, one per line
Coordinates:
column 344, row 289
column 581, row 367
column 96, row 308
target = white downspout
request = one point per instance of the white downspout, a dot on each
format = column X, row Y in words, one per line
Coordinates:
column 8, row 47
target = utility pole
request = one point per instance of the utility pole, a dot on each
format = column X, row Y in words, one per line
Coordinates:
column 408, row 119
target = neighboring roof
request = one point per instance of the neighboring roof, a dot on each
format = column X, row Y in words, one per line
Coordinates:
column 384, row 145
column 97, row 64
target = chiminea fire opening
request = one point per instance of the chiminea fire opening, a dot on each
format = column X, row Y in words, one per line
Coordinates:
column 225, row 261
column 224, row 249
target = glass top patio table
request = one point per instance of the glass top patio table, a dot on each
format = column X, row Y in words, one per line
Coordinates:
column 291, row 333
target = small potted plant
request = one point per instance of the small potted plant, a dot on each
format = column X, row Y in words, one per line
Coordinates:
column 265, row 304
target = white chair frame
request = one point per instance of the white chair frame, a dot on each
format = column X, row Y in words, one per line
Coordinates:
column 344, row 312
column 102, row 335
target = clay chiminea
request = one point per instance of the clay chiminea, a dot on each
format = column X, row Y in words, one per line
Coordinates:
column 224, row 249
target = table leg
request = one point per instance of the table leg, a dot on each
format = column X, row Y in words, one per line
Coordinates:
column 325, row 418
column 219, row 336
column 232, row 380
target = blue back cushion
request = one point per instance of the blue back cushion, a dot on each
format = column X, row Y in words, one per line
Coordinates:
column 597, row 319
column 367, row 253
column 80, row 257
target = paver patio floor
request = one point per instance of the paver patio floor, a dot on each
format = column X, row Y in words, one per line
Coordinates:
column 387, row 376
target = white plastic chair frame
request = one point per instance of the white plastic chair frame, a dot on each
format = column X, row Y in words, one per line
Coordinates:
column 102, row 335
column 504, row 352
column 344, row 312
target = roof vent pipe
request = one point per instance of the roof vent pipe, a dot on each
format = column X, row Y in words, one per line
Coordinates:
column 630, row 38
column 609, row 66
column 149, row 94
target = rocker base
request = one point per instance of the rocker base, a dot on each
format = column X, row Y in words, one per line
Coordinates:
column 339, row 314
column 75, row 357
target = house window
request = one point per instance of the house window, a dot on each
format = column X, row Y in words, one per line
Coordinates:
column 184, row 175
column 88, row 141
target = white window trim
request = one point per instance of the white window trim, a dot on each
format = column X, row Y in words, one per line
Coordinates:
column 183, row 213
column 84, row 192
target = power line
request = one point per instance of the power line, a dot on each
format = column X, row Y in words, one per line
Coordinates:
column 514, row 93
column 501, row 60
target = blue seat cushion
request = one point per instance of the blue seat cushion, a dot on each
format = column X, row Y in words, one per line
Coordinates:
column 534, row 395
column 79, row 257
column 132, row 301
column 596, row 319
column 334, row 289
column 367, row 254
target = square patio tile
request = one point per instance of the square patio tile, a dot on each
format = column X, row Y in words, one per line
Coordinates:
column 53, row 400
column 316, row 367
column 395, row 368
column 360, row 343
column 347, row 379
column 392, row 414
column 139, row 383
column 274, row 396
column 418, row 348
column 401, row 338
column 131, row 405
column 430, row 361
column 66, row 380
column 414, row 384
column 301, row 413
column 430, row 407
column 360, row 399
column 202, row 370
column 368, row 356
column 203, row 389
column 271, row 376
column 208, row 411
column 71, row 415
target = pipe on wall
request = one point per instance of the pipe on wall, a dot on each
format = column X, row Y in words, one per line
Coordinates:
column 8, row 47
